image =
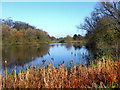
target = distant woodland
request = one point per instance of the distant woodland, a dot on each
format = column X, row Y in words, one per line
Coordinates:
column 17, row 32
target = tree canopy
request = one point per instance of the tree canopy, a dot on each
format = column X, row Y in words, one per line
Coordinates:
column 103, row 26
column 17, row 32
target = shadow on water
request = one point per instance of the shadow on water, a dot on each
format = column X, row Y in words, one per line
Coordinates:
column 21, row 54
column 77, row 46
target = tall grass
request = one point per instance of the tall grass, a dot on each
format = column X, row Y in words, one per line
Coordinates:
column 103, row 73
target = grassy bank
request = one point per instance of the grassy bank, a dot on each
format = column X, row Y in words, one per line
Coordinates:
column 83, row 42
column 103, row 73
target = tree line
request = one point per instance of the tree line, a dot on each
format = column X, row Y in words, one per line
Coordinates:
column 103, row 26
column 17, row 32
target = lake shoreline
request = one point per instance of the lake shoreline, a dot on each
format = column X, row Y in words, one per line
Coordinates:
column 33, row 43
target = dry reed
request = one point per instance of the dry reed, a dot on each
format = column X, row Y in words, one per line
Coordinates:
column 105, row 73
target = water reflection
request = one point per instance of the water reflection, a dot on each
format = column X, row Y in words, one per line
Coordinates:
column 21, row 54
column 56, row 53
column 77, row 46
column 68, row 46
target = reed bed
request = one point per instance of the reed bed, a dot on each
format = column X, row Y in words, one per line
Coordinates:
column 104, row 72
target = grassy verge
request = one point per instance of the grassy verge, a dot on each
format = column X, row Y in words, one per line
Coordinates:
column 104, row 72
column 73, row 41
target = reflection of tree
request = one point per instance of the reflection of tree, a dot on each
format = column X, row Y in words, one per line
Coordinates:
column 77, row 45
column 21, row 54
column 99, row 52
column 92, row 50
column 62, row 44
column 68, row 46
column 53, row 45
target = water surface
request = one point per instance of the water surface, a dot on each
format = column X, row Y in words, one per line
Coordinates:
column 56, row 53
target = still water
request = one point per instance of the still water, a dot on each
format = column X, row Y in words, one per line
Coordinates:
column 56, row 53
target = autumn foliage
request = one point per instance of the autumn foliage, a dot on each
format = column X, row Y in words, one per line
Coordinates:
column 102, row 73
column 16, row 35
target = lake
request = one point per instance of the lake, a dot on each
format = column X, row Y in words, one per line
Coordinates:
column 56, row 53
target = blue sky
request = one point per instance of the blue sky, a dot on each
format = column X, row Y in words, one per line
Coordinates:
column 57, row 18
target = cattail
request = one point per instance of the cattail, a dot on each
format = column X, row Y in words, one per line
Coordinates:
column 52, row 61
column 75, row 69
column 20, row 76
column 6, row 73
column 43, row 74
column 48, row 67
column 43, row 61
column 39, row 85
column 66, row 73
column 15, row 74
column 43, row 69
column 103, row 61
column 46, row 84
column 48, row 53
column 0, row 82
column 63, row 67
column 26, row 66
column 71, row 66
column 63, row 64
column 27, row 75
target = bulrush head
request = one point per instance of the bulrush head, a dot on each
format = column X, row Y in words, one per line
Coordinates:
column 52, row 59
column 41, row 56
column 48, row 53
column 62, row 63
column 43, row 61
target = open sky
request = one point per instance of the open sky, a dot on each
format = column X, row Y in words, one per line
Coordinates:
column 57, row 18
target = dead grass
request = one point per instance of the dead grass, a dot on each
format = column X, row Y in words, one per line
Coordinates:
column 104, row 73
